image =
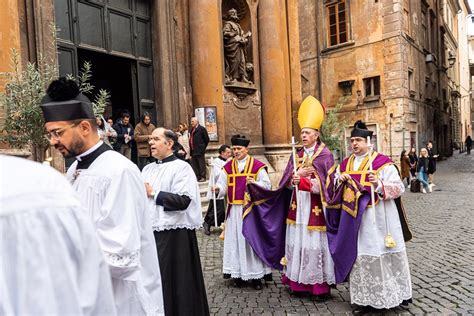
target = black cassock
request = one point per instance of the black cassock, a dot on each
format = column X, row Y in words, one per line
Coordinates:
column 184, row 292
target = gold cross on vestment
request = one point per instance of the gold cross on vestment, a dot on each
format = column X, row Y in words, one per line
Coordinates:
column 293, row 205
column 316, row 210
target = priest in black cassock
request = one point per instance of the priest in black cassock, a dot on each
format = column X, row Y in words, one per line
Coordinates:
column 175, row 208
column 110, row 188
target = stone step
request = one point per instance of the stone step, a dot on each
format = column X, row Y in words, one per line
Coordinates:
column 203, row 186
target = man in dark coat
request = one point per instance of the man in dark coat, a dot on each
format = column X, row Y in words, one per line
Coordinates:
column 468, row 143
column 124, row 136
column 198, row 141
column 432, row 162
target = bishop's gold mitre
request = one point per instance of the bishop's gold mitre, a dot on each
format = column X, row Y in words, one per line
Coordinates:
column 311, row 113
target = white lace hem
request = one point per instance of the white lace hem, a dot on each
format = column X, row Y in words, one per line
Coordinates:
column 176, row 226
column 123, row 260
column 308, row 258
column 380, row 281
column 247, row 276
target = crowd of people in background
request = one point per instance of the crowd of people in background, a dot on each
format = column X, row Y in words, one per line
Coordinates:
column 418, row 170
column 123, row 137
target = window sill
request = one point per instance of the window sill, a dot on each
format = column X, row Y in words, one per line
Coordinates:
column 338, row 46
column 371, row 98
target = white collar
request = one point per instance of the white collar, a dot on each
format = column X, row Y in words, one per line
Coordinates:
column 90, row 150
column 310, row 150
column 361, row 156
column 243, row 160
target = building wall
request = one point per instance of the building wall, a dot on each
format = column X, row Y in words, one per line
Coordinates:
column 402, row 42
column 9, row 39
column 465, row 124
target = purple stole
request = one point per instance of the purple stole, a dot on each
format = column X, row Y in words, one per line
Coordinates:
column 361, row 175
column 237, row 181
column 316, row 220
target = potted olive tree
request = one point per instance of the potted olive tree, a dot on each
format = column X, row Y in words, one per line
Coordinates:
column 23, row 127
column 332, row 131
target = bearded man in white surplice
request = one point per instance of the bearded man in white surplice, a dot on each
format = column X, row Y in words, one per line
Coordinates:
column 110, row 187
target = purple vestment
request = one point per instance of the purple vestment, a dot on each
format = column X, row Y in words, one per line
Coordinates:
column 264, row 224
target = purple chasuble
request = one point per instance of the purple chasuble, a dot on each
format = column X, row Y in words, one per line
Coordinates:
column 265, row 213
column 236, row 180
column 360, row 175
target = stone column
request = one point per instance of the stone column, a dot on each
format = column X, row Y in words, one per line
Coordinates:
column 10, row 38
column 207, row 58
column 276, row 102
column 10, row 35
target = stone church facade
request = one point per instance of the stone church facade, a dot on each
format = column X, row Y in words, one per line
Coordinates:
column 383, row 61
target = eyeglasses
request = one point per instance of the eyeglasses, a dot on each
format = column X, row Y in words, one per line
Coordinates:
column 58, row 133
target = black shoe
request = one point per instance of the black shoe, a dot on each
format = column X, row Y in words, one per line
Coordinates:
column 237, row 282
column 406, row 302
column 363, row 310
column 257, row 284
column 321, row 298
column 268, row 277
column 207, row 228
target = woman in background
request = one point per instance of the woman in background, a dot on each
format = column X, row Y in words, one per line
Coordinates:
column 106, row 132
column 422, row 168
column 405, row 166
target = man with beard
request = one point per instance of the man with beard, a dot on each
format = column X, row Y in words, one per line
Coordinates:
column 235, row 44
column 143, row 132
column 110, row 187
column 175, row 209
column 125, row 135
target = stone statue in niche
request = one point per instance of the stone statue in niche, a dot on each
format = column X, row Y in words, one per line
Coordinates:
column 237, row 67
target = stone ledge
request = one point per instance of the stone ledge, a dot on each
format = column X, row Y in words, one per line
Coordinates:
column 23, row 153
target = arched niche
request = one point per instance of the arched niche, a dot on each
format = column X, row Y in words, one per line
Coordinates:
column 245, row 21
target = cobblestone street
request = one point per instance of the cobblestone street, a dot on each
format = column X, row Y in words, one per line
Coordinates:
column 441, row 258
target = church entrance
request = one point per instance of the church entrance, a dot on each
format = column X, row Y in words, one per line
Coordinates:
column 114, row 74
column 115, row 37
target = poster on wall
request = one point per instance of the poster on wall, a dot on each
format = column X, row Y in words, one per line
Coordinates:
column 207, row 117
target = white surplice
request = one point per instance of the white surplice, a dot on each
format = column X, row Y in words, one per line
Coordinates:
column 240, row 261
column 176, row 177
column 307, row 251
column 216, row 169
column 380, row 276
column 115, row 199
column 51, row 263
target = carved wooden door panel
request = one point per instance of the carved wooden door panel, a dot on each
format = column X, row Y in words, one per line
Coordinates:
column 116, row 27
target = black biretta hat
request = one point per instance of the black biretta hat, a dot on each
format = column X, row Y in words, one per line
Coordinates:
column 64, row 102
column 360, row 130
column 238, row 140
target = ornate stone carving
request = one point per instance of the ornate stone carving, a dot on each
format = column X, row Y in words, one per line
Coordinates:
column 237, row 65
column 242, row 100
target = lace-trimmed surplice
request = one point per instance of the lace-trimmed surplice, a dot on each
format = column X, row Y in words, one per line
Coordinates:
column 380, row 276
